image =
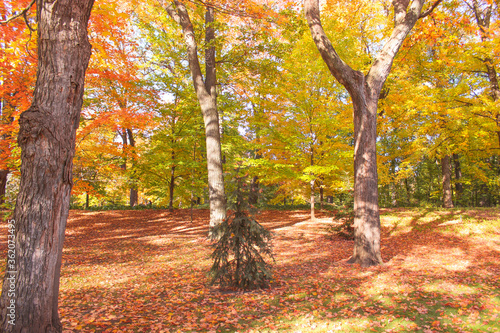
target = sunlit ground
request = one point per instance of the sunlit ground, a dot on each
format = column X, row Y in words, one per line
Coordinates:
column 145, row 271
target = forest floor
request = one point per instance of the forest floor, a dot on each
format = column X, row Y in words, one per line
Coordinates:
column 145, row 271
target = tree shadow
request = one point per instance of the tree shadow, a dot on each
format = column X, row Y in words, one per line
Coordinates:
column 146, row 270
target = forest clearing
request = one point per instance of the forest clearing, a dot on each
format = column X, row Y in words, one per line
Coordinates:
column 145, row 271
column 138, row 139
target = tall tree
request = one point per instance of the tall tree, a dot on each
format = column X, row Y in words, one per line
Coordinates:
column 207, row 96
column 446, row 171
column 365, row 92
column 17, row 79
column 483, row 13
column 47, row 139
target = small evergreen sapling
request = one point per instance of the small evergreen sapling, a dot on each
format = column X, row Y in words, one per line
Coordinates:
column 242, row 247
column 344, row 212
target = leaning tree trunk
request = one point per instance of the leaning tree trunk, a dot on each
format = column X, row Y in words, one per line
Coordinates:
column 446, row 172
column 3, row 185
column 47, row 138
column 207, row 98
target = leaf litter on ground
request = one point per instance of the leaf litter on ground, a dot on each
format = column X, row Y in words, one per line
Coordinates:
column 146, row 271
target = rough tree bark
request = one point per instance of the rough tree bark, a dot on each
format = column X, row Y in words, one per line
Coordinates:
column 446, row 173
column 365, row 92
column 3, row 185
column 207, row 98
column 47, row 139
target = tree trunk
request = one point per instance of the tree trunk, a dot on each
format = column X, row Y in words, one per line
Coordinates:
column 321, row 194
column 365, row 92
column 366, row 209
column 87, row 200
column 253, row 197
column 446, row 171
column 207, row 98
column 172, row 184
column 459, row 189
column 312, row 183
column 3, row 185
column 123, row 135
column 312, row 200
column 408, row 192
column 47, row 139
column 134, row 193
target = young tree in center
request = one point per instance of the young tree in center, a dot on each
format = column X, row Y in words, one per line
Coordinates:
column 207, row 97
column 365, row 92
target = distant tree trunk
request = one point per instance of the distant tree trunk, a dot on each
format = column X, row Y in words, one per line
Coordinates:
column 253, row 197
column 3, row 185
column 312, row 200
column 365, row 92
column 207, row 98
column 408, row 192
column 47, row 132
column 459, row 189
column 392, row 185
column 123, row 136
column 446, row 171
column 87, row 199
column 321, row 194
column 172, row 184
column 134, row 193
column 312, row 184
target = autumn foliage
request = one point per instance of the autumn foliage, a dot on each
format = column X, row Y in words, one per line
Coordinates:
column 146, row 270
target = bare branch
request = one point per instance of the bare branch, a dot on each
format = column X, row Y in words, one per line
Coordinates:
column 22, row 13
column 430, row 10
column 173, row 13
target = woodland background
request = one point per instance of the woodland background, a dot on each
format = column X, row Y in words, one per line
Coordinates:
column 287, row 141
column 285, row 121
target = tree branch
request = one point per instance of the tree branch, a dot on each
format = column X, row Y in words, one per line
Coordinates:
column 430, row 10
column 22, row 13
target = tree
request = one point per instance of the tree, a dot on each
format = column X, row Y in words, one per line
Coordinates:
column 47, row 139
column 365, row 92
column 18, row 55
column 483, row 12
column 118, row 94
column 207, row 97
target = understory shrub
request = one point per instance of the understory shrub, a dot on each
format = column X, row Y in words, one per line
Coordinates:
column 243, row 245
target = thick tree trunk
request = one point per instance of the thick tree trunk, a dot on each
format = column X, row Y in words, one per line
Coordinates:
column 212, row 127
column 47, row 139
column 446, row 172
column 207, row 98
column 3, row 185
column 366, row 209
column 365, row 92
